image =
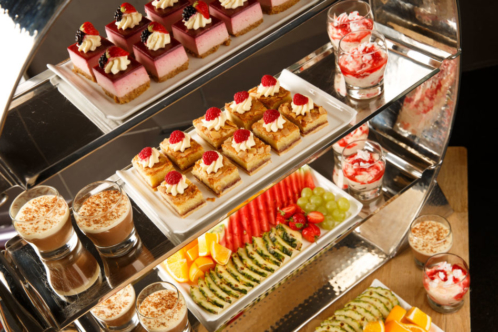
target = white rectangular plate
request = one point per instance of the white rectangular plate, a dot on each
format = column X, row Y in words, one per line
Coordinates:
column 94, row 94
column 338, row 115
column 213, row 322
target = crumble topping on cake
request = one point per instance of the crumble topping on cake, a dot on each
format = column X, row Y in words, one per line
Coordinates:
column 273, row 121
column 127, row 17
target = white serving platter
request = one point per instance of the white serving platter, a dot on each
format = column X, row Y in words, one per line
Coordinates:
column 95, row 96
column 150, row 201
column 212, row 322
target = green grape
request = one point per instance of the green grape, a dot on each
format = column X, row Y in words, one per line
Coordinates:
column 309, row 207
column 317, row 200
column 306, row 193
column 327, row 224
column 319, row 191
column 331, row 206
column 328, row 196
column 302, row 202
column 338, row 215
column 343, row 204
column 322, row 209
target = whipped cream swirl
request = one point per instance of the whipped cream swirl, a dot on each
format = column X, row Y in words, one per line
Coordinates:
column 129, row 21
column 268, row 90
column 179, row 188
column 232, row 4
column 158, row 40
column 215, row 165
column 151, row 161
column 275, row 125
column 303, row 109
column 117, row 64
column 90, row 43
column 215, row 124
column 243, row 106
column 162, row 4
column 197, row 21
column 182, row 145
column 245, row 145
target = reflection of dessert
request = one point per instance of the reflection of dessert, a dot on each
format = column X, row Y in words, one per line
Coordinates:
column 247, row 151
column 181, row 194
column 338, row 177
column 217, row 173
column 214, row 127
column 240, row 16
column 121, row 77
column 118, row 309
column 364, row 170
column 305, row 114
column 270, row 93
column 162, row 56
column 166, row 12
column 360, row 133
column 272, row 7
column 428, row 238
column 344, row 24
column 276, row 131
column 164, row 311
column 152, row 165
column 200, row 33
column 446, row 284
column 87, row 50
column 182, row 149
column 245, row 110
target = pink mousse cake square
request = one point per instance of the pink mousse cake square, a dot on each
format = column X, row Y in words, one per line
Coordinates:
column 204, row 41
column 126, row 38
column 168, row 16
column 163, row 63
column 83, row 63
column 272, row 7
column 239, row 20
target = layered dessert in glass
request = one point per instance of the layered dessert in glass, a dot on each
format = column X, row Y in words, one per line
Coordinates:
column 118, row 311
column 359, row 135
column 166, row 12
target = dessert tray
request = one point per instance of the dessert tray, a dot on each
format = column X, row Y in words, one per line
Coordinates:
column 93, row 93
column 214, row 321
column 150, row 201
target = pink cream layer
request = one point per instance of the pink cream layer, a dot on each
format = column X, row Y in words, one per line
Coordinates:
column 162, row 65
column 126, row 83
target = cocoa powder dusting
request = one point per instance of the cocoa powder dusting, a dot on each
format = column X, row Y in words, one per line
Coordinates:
column 116, row 304
column 40, row 214
column 165, row 306
column 103, row 206
column 430, row 237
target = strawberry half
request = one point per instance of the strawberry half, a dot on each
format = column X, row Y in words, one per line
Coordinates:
column 156, row 27
column 202, row 8
column 89, row 29
column 127, row 8
column 270, row 116
column 115, row 52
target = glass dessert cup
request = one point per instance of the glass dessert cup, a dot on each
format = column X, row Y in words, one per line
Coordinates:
column 429, row 235
column 103, row 212
column 364, row 169
column 41, row 217
column 117, row 313
column 446, row 280
column 162, row 308
column 339, row 27
column 363, row 64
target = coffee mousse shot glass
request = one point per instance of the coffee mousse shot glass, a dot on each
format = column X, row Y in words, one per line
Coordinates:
column 41, row 217
column 104, row 214
column 162, row 308
column 117, row 313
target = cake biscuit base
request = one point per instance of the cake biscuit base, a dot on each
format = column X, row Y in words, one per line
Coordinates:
column 172, row 73
column 249, row 28
column 209, row 52
column 278, row 9
column 78, row 70
column 129, row 96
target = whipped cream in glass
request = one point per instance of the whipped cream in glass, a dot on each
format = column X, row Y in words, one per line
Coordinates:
column 129, row 21
column 197, row 21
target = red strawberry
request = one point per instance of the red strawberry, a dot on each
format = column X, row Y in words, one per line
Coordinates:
column 239, row 97
column 270, row 116
column 268, row 80
column 315, row 217
column 145, row 153
column 288, row 211
column 299, row 218
column 300, row 100
column 157, row 27
column 281, row 219
column 202, row 8
column 127, row 8
column 115, row 52
column 311, row 233
column 241, row 135
column 176, row 136
column 296, row 226
column 212, row 113
column 173, row 177
column 89, row 29
column 209, row 156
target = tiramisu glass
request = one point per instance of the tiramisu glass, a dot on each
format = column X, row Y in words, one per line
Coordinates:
column 446, row 280
column 429, row 235
column 41, row 217
column 162, row 308
column 104, row 213
column 363, row 64
column 364, row 169
column 117, row 313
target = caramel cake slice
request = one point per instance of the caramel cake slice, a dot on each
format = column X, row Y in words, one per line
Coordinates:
column 214, row 127
column 245, row 110
column 183, row 150
column 305, row 114
column 270, row 93
column 152, row 165
column 181, row 195
column 247, row 151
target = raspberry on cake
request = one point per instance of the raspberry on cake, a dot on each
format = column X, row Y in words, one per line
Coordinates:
column 163, row 57
column 181, row 195
column 245, row 110
column 216, row 172
column 305, row 114
column 240, row 16
column 87, row 50
column 152, row 165
column 200, row 33
column 270, row 93
column 182, row 149
column 275, row 130
column 127, row 27
column 247, row 151
column 272, row 7
column 166, row 12
column 121, row 77
column 214, row 127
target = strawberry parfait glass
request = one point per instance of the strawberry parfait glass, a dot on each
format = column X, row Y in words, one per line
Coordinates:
column 364, row 169
column 363, row 64
column 446, row 280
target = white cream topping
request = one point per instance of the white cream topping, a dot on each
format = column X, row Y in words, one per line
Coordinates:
column 215, row 165
column 129, row 21
column 243, row 106
column 275, row 125
column 362, row 154
column 232, row 4
column 215, row 124
column 90, row 43
column 162, row 4
column 197, row 21
column 179, row 188
column 158, row 40
column 116, row 305
column 269, row 90
column 303, row 109
column 151, row 161
column 117, row 64
column 182, row 145
column 244, row 146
